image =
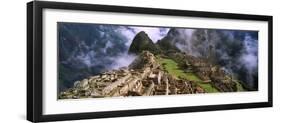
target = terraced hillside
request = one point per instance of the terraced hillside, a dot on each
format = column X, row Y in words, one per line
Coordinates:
column 148, row 75
column 172, row 68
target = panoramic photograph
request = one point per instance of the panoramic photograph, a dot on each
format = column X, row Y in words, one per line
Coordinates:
column 104, row 60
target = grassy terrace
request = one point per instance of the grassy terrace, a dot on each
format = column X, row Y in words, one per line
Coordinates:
column 239, row 86
column 172, row 67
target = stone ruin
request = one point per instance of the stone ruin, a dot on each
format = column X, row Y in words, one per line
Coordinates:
column 212, row 74
column 144, row 77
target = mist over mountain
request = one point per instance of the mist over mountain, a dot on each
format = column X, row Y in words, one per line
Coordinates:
column 89, row 49
column 236, row 51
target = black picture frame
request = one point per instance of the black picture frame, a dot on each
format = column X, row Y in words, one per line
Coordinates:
column 35, row 69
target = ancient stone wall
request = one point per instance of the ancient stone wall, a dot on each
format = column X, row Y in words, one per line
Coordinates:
column 144, row 77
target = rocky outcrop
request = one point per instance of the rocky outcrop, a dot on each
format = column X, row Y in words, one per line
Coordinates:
column 145, row 60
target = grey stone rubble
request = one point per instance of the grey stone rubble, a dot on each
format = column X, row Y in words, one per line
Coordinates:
column 144, row 77
column 209, row 73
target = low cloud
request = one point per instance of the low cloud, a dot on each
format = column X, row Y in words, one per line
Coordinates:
column 235, row 51
column 154, row 33
column 122, row 60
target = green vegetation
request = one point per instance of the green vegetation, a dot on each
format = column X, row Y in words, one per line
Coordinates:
column 142, row 42
column 172, row 67
column 239, row 86
column 166, row 45
column 207, row 87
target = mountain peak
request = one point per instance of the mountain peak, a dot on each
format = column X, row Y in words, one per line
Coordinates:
column 142, row 42
column 142, row 36
column 142, row 33
column 169, row 42
column 172, row 32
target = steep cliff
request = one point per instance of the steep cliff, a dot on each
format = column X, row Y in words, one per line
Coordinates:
column 142, row 42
